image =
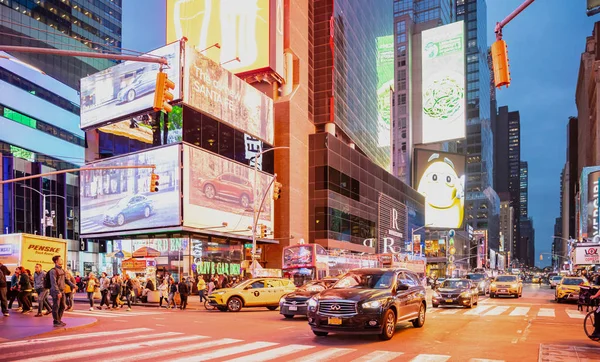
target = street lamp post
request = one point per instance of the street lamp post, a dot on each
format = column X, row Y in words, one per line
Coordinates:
column 43, row 222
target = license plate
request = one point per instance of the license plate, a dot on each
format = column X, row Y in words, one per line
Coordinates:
column 293, row 307
column 502, row 290
column 448, row 300
column 334, row 321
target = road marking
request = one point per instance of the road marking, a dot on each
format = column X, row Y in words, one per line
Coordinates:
column 520, row 311
column 497, row 311
column 177, row 350
column 379, row 356
column 485, row 360
column 72, row 337
column 110, row 314
column 575, row 314
column 226, row 352
column 477, row 311
column 327, row 354
column 273, row 353
column 546, row 312
column 430, row 358
column 450, row 311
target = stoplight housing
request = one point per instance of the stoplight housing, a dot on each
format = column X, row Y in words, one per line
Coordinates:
column 154, row 182
column 162, row 94
column 277, row 190
column 500, row 64
column 263, row 230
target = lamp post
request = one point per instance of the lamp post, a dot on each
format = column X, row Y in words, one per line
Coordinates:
column 412, row 235
column 43, row 222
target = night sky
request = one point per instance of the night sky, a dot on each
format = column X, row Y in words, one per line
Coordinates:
column 545, row 44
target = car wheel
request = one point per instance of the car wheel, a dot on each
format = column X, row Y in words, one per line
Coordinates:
column 209, row 191
column 288, row 316
column 389, row 325
column 130, row 95
column 272, row 308
column 120, row 219
column 320, row 334
column 234, row 304
column 244, row 201
column 146, row 211
column 420, row 321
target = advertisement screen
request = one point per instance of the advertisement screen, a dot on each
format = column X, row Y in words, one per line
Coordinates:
column 443, row 72
column 119, row 199
column 217, row 190
column 211, row 89
column 249, row 32
column 588, row 202
column 126, row 89
column 385, row 84
column 440, row 177
column 587, row 255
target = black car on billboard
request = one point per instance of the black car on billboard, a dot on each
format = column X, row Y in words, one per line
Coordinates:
column 295, row 303
column 127, row 209
column 456, row 291
column 369, row 301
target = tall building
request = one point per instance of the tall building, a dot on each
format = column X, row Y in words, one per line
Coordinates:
column 523, row 189
column 506, row 226
column 69, row 25
column 526, row 246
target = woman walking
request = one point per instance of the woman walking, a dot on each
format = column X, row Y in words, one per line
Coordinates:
column 127, row 290
column 69, row 292
column 104, row 291
column 25, row 291
column 172, row 291
column 164, row 292
column 92, row 285
column 115, row 289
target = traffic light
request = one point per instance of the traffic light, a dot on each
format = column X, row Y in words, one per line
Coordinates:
column 162, row 94
column 154, row 182
column 277, row 190
column 500, row 63
column 263, row 230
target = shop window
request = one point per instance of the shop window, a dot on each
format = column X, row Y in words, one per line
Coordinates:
column 210, row 134
column 226, row 141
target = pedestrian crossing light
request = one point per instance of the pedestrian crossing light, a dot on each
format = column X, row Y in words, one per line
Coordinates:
column 162, row 94
column 263, row 230
column 154, row 182
column 500, row 64
column 277, row 190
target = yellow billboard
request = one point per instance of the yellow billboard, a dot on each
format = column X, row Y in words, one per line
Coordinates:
column 249, row 32
column 37, row 249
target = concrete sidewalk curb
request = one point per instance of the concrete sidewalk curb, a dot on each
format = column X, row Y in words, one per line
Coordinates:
column 27, row 326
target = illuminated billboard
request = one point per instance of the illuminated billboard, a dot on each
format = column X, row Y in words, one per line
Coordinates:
column 212, row 90
column 589, row 215
column 119, row 199
column 127, row 88
column 217, row 190
column 385, row 84
column 443, row 73
column 440, row 177
column 249, row 32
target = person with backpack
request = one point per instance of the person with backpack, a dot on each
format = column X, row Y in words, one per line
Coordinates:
column 183, row 293
column 25, row 290
column 4, row 272
column 56, row 280
column 38, row 284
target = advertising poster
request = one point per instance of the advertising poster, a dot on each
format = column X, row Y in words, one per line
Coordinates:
column 385, row 84
column 217, row 190
column 444, row 94
column 117, row 200
column 211, row 89
column 440, row 177
column 10, row 249
column 249, row 30
column 392, row 225
column 592, row 204
column 586, row 255
column 40, row 250
column 481, row 237
column 587, row 202
column 127, row 88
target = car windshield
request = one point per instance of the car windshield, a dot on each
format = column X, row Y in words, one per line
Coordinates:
column 366, row 280
column 455, row 284
column 475, row 277
column 506, row 278
column 556, row 278
column 314, row 286
column 572, row 281
column 124, row 202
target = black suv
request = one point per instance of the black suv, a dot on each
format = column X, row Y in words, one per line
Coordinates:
column 369, row 301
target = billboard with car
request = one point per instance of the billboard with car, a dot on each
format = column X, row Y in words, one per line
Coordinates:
column 119, row 199
column 127, row 88
column 217, row 190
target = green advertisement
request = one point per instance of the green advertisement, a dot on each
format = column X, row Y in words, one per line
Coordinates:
column 385, row 82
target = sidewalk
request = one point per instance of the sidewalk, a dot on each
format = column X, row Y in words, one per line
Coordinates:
column 19, row 326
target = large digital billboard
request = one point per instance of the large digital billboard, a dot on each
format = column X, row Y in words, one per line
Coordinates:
column 119, row 199
column 127, row 88
column 443, row 74
column 440, row 177
column 589, row 215
column 249, row 32
column 385, row 84
column 211, row 89
column 217, row 190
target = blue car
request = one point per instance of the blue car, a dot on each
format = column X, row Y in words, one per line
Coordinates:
column 127, row 209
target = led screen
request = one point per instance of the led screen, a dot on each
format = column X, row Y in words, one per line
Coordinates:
column 119, row 199
column 126, row 89
column 385, row 83
column 443, row 73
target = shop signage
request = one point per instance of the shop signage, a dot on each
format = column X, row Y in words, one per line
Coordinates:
column 133, row 264
column 6, row 249
column 392, row 224
column 40, row 251
column 211, row 268
column 587, row 255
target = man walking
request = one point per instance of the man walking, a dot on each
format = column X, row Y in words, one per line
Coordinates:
column 183, row 293
column 104, row 286
column 38, row 284
column 57, row 290
column 4, row 272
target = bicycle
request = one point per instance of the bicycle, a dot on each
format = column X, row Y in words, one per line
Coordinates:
column 208, row 306
column 590, row 320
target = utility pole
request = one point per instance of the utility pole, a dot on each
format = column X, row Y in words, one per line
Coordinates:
column 2, row 182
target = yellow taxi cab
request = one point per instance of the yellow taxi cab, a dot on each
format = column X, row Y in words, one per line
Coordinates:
column 256, row 292
column 509, row 285
column 568, row 288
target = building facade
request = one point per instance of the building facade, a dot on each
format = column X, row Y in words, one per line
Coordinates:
column 506, row 227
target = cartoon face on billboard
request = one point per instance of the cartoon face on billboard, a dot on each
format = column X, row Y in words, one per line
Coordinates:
column 444, row 193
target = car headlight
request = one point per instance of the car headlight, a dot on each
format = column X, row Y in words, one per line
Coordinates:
column 436, row 294
column 218, row 293
column 374, row 304
column 493, row 285
column 282, row 300
column 465, row 294
column 312, row 302
column 514, row 285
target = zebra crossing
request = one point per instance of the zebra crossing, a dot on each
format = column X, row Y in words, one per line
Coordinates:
column 118, row 313
column 487, row 310
column 149, row 344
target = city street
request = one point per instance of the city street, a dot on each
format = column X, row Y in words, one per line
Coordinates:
column 528, row 329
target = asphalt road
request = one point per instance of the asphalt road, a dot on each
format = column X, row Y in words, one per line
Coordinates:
column 532, row 328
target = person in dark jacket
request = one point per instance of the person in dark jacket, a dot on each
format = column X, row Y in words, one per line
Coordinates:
column 4, row 272
column 115, row 289
column 184, row 291
column 127, row 289
column 25, row 290
column 172, row 292
column 58, row 280
column 13, row 289
column 38, row 285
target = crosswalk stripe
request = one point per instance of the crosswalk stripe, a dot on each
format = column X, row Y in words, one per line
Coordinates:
column 324, row 355
column 575, row 314
column 379, row 356
column 450, row 311
column 110, row 314
column 497, row 311
column 71, row 337
column 179, row 349
column 480, row 309
column 226, row 352
column 520, row 311
column 273, row 353
column 110, row 349
column 430, row 358
column 546, row 312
